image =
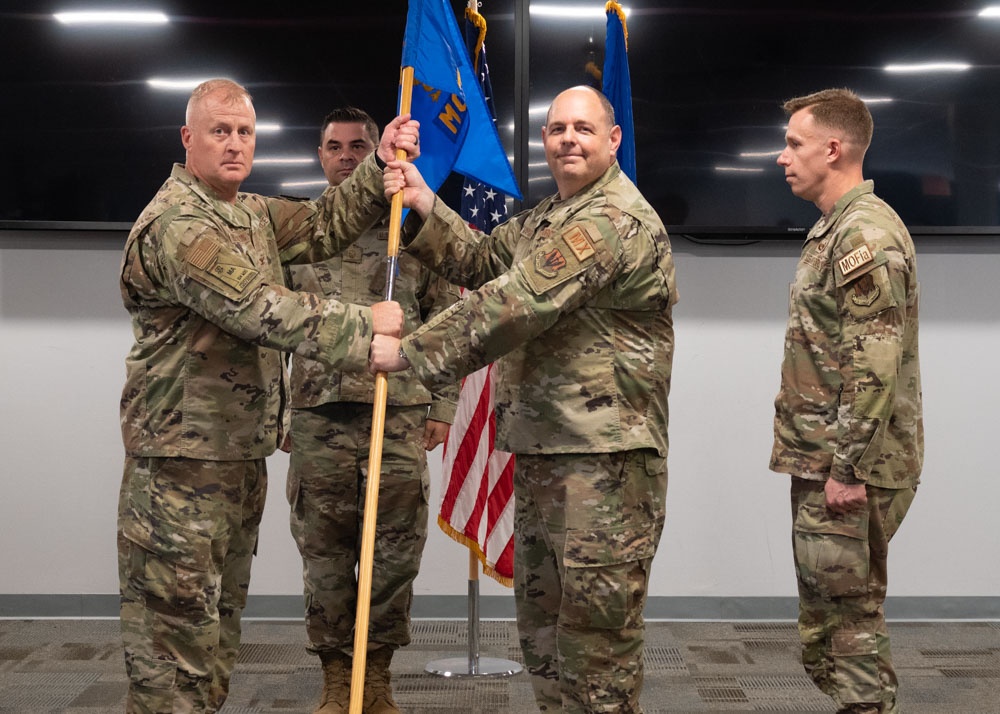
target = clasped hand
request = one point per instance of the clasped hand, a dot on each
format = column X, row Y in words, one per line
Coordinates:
column 384, row 355
column 401, row 134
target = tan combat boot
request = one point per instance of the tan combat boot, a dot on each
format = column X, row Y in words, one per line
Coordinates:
column 378, row 690
column 336, row 697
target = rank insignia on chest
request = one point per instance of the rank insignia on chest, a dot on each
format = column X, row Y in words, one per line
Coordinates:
column 550, row 263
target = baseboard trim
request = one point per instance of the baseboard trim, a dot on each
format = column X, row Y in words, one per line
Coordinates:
column 499, row 607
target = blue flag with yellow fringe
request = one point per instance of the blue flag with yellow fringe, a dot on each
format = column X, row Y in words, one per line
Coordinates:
column 457, row 132
column 617, row 84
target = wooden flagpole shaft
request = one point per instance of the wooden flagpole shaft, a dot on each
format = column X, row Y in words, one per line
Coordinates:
column 375, row 449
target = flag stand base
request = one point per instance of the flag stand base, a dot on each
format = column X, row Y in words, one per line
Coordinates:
column 458, row 667
column 473, row 665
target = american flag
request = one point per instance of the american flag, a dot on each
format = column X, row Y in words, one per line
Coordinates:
column 477, row 506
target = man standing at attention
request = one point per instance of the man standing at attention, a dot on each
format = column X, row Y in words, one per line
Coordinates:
column 848, row 425
column 573, row 298
column 331, row 436
column 202, row 405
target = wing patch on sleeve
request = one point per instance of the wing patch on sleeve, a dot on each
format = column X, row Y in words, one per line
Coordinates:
column 561, row 258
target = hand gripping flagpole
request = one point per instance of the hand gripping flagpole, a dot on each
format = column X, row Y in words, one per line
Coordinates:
column 375, row 449
column 473, row 665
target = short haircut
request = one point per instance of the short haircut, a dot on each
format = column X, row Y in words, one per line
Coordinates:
column 230, row 91
column 839, row 109
column 350, row 115
column 609, row 111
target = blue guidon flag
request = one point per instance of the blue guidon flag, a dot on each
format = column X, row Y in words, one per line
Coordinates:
column 457, row 131
column 617, row 84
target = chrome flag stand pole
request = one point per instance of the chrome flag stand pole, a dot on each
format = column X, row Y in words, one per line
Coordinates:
column 473, row 665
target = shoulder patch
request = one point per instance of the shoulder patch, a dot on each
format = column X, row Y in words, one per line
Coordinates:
column 237, row 277
column 857, row 258
column 579, row 242
column 202, row 252
column 550, row 263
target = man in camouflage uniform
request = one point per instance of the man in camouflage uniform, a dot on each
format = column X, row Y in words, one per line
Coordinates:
column 203, row 400
column 574, row 300
column 848, row 424
column 331, row 430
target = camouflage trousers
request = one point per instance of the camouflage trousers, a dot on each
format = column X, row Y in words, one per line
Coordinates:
column 586, row 530
column 842, row 578
column 327, row 481
column 187, row 532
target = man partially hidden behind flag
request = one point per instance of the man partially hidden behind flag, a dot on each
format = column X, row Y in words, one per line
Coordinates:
column 477, row 506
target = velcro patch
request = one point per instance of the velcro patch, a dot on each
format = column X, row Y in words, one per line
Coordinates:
column 857, row 258
column 579, row 242
column 235, row 276
column 202, row 253
column 870, row 294
column 550, row 263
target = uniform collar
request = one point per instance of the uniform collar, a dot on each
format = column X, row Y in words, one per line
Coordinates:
column 233, row 213
column 826, row 222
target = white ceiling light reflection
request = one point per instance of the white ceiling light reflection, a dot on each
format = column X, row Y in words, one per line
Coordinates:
column 180, row 84
column 738, row 170
column 268, row 127
column 111, row 17
column 575, row 12
column 284, row 160
column 927, row 67
column 770, row 154
column 311, row 183
column 992, row 11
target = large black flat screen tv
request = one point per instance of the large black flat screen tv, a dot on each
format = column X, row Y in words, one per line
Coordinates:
column 89, row 136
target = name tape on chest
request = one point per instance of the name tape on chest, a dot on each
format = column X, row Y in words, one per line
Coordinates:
column 857, row 258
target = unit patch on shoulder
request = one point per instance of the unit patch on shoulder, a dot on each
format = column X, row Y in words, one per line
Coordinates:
column 855, row 259
column 579, row 242
column 235, row 276
column 202, row 253
column 865, row 299
column 549, row 263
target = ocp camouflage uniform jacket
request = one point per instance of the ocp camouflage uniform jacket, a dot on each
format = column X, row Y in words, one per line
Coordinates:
column 203, row 283
column 358, row 276
column 850, row 399
column 575, row 301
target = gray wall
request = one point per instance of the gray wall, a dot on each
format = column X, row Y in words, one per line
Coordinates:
column 64, row 335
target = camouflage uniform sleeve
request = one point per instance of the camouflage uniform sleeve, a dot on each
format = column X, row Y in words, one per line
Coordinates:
column 204, row 273
column 870, row 278
column 464, row 256
column 563, row 270
column 434, row 296
column 313, row 231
